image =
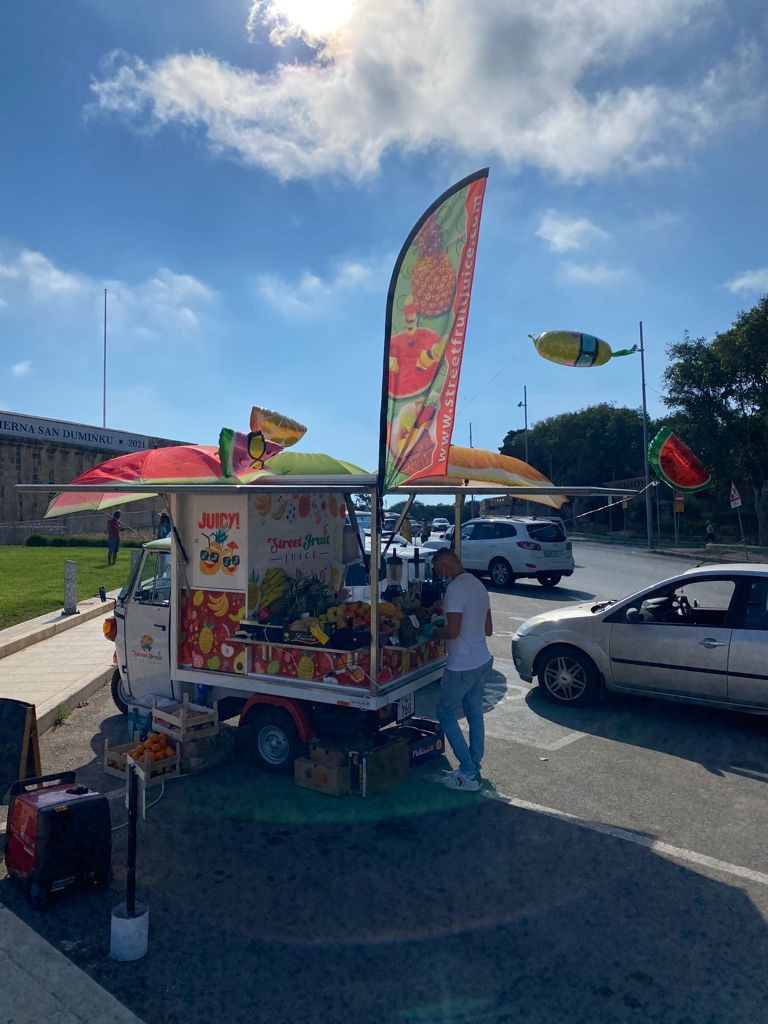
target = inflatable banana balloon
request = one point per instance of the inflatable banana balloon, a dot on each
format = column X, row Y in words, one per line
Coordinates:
column 570, row 348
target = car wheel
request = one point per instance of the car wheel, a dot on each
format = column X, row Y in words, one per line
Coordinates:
column 569, row 677
column 37, row 895
column 119, row 693
column 276, row 743
column 501, row 573
column 547, row 579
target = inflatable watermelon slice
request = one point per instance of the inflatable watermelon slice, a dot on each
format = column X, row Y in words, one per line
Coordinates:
column 676, row 464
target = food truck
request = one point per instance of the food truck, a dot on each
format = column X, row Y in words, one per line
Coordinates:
column 247, row 599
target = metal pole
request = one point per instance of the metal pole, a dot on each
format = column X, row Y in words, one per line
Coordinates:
column 104, row 385
column 524, row 406
column 658, row 516
column 741, row 531
column 646, row 466
column 471, row 497
column 133, row 811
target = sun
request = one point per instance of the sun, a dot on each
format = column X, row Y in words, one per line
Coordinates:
column 316, row 18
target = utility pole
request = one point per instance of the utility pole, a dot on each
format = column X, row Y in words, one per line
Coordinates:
column 646, row 465
column 524, row 406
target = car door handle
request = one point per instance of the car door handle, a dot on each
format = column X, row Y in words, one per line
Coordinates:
column 711, row 642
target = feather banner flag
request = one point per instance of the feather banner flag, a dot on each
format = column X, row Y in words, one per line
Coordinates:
column 427, row 312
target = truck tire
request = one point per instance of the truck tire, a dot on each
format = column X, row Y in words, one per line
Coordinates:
column 276, row 743
column 119, row 693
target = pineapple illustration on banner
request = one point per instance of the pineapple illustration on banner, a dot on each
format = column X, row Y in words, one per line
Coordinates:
column 427, row 311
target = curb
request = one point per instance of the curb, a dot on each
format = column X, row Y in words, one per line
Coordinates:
column 46, row 716
column 87, row 610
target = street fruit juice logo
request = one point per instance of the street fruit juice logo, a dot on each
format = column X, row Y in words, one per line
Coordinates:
column 144, row 650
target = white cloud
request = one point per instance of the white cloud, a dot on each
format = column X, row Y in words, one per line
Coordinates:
column 504, row 79
column 311, row 295
column 564, row 233
column 22, row 368
column 749, row 281
column 595, row 273
column 164, row 305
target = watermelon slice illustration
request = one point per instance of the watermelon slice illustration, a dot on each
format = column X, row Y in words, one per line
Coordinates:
column 676, row 464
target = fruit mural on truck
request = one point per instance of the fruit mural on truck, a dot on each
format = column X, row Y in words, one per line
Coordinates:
column 209, row 618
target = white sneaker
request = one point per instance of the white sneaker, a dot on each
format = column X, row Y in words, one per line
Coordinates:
column 464, row 782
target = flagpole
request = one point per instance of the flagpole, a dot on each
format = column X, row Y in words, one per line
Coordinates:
column 104, row 383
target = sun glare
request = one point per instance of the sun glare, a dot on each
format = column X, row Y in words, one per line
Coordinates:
column 315, row 17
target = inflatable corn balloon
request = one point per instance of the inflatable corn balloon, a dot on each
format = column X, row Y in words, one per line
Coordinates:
column 570, row 348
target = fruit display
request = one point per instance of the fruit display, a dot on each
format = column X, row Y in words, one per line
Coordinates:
column 155, row 748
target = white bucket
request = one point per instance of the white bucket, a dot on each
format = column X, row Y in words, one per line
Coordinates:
column 130, row 935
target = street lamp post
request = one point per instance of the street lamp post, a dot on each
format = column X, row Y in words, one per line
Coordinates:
column 524, row 405
column 646, row 465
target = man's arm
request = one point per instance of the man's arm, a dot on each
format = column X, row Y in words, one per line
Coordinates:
column 451, row 630
column 488, row 623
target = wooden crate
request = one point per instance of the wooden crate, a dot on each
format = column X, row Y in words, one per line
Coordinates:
column 149, row 771
column 186, row 721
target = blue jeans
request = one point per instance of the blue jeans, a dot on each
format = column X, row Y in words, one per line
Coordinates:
column 463, row 691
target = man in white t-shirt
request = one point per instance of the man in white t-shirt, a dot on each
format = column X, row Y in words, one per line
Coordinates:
column 468, row 623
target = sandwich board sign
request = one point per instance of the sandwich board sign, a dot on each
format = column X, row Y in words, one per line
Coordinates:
column 735, row 497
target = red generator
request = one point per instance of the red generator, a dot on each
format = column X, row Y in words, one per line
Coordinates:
column 58, row 834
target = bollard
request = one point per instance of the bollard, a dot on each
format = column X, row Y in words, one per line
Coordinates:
column 70, row 588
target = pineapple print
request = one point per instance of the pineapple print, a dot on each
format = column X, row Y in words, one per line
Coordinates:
column 305, row 668
column 205, row 642
column 433, row 279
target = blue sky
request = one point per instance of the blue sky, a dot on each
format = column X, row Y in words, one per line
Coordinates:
column 240, row 176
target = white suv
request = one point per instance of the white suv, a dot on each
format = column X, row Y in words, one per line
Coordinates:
column 440, row 525
column 511, row 549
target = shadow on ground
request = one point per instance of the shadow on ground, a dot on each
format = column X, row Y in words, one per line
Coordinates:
column 276, row 904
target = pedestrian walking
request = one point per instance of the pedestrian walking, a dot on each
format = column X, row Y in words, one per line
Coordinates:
column 425, row 531
column 468, row 624
column 709, row 534
column 114, row 529
column 164, row 526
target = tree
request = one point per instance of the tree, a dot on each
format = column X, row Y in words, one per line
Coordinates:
column 591, row 447
column 719, row 390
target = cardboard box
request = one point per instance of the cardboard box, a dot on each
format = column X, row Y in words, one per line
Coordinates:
column 321, row 777
column 374, row 771
column 332, row 755
column 425, row 738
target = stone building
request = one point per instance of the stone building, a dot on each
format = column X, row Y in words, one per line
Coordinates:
column 37, row 450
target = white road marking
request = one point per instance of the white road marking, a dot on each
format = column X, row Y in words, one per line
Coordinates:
column 675, row 852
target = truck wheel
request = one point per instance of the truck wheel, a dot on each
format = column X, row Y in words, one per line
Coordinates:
column 119, row 693
column 276, row 743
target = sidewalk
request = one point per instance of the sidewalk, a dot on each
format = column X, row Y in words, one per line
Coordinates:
column 56, row 661
column 39, row 985
column 53, row 662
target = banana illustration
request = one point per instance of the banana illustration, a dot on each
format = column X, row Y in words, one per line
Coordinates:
column 219, row 605
column 280, row 511
column 263, row 504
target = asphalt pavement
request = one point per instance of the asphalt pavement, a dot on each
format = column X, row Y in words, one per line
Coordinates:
column 610, row 870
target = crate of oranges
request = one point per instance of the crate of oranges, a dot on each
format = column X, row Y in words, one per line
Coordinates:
column 156, row 758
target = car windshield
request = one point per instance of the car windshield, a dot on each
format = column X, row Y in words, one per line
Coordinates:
column 546, row 532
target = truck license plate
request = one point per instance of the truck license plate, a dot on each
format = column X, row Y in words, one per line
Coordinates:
column 405, row 707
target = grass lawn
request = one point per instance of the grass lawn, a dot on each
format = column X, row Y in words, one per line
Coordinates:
column 32, row 579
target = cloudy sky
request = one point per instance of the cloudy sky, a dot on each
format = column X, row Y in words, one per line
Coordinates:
column 240, row 177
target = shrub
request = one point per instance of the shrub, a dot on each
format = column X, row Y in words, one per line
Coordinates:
column 86, row 542
column 58, row 542
column 36, row 540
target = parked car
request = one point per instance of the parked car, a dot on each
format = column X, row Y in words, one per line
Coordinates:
column 440, row 525
column 513, row 549
column 700, row 636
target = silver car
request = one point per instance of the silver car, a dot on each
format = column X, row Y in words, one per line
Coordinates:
column 701, row 636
